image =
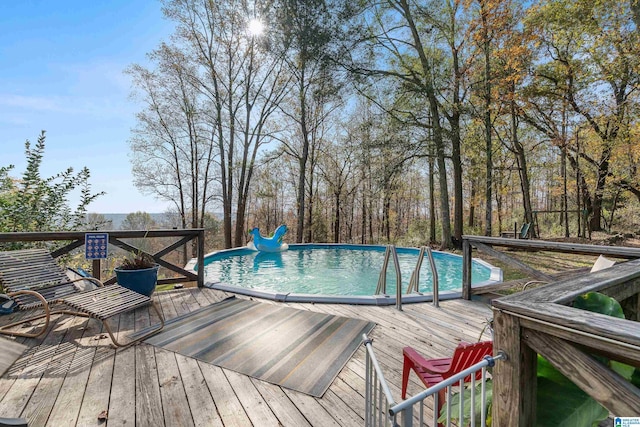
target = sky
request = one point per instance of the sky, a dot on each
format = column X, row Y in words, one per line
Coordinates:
column 62, row 70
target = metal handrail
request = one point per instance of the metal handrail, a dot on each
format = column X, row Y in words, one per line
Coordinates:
column 396, row 263
column 434, row 275
column 488, row 361
column 381, row 409
column 382, row 280
column 414, row 282
column 377, row 393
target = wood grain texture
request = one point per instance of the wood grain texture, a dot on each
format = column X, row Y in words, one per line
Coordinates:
column 11, row 351
column 214, row 396
column 513, row 262
column 576, row 248
column 604, row 385
column 514, row 379
column 565, row 291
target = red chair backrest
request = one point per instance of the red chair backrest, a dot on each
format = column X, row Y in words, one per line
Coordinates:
column 467, row 355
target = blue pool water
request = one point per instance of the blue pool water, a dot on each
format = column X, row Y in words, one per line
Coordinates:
column 333, row 270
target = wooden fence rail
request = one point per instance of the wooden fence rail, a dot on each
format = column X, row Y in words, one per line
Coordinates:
column 485, row 244
column 77, row 239
column 542, row 321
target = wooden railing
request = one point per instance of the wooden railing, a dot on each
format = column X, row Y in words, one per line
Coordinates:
column 542, row 321
column 77, row 239
column 485, row 244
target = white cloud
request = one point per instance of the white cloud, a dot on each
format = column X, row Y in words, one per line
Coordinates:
column 37, row 103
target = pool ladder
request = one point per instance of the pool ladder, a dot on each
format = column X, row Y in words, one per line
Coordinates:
column 414, row 282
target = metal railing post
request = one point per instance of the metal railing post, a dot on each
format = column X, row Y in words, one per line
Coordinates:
column 382, row 280
column 414, row 282
column 396, row 263
column 434, row 275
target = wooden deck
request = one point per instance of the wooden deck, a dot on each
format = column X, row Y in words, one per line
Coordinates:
column 72, row 375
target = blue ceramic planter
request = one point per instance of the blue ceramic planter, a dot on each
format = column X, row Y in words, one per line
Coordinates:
column 140, row 281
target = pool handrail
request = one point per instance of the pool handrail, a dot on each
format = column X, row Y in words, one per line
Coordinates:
column 414, row 282
column 396, row 263
column 382, row 279
column 434, row 275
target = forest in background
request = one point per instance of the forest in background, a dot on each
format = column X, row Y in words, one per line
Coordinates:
column 394, row 121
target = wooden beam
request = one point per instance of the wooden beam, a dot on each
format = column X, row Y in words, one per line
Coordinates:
column 514, row 379
column 500, row 286
column 622, row 291
column 68, row 248
column 96, row 271
column 173, row 246
column 631, row 307
column 604, row 385
column 617, row 351
column 27, row 236
column 513, row 262
column 616, row 338
column 565, row 291
column 614, row 251
column 466, row 270
column 200, row 264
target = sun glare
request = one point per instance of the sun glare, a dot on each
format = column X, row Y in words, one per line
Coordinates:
column 256, row 27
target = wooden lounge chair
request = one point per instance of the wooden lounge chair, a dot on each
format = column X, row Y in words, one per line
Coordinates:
column 433, row 371
column 34, row 280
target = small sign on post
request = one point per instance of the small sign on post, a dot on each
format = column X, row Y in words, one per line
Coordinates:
column 96, row 245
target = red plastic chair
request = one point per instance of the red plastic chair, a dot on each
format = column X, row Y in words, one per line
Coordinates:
column 433, row 371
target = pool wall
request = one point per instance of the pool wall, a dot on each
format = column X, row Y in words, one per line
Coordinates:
column 383, row 299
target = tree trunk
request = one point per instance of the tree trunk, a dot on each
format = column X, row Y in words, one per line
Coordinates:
column 521, row 160
column 386, row 212
column 455, row 153
column 432, row 199
column 595, row 223
column 302, row 160
column 336, row 223
column 487, row 119
column 437, row 129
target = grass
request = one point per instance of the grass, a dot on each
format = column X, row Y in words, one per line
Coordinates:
column 172, row 286
column 547, row 262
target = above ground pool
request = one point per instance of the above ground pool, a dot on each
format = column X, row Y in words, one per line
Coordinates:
column 336, row 273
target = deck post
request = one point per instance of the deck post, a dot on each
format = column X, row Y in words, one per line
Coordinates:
column 466, row 269
column 514, row 387
column 201, row 258
column 95, row 268
column 631, row 307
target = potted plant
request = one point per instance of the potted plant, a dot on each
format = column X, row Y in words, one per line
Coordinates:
column 138, row 273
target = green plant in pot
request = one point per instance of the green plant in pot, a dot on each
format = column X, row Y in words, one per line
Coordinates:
column 138, row 273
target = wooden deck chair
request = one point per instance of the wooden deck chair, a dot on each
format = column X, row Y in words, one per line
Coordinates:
column 433, row 371
column 34, row 280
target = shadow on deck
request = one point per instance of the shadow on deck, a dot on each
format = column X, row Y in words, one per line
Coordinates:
column 72, row 376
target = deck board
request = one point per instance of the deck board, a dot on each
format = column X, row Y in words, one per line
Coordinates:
column 69, row 377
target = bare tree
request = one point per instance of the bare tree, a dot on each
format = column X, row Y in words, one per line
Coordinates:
column 172, row 156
